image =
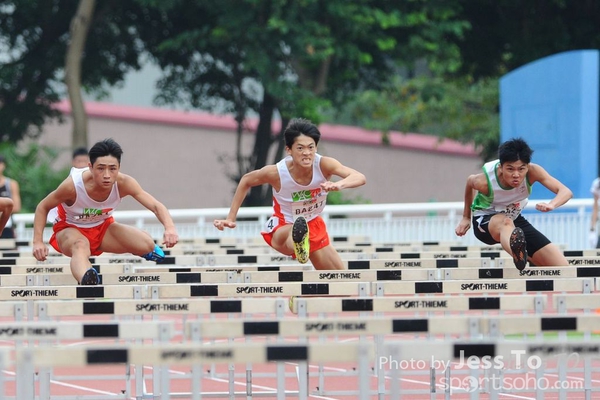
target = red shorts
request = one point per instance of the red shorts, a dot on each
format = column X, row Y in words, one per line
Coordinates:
column 94, row 235
column 317, row 234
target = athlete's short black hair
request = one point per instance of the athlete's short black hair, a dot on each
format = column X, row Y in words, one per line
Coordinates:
column 80, row 151
column 106, row 147
column 515, row 149
column 300, row 126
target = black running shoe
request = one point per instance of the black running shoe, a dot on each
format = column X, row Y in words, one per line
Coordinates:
column 90, row 277
column 301, row 240
column 518, row 246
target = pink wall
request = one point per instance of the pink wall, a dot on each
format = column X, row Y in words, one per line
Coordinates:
column 175, row 156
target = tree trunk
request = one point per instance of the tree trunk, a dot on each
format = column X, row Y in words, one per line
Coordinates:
column 262, row 143
column 80, row 25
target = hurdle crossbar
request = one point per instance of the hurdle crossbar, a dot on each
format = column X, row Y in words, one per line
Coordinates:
column 69, row 330
column 370, row 326
column 152, row 307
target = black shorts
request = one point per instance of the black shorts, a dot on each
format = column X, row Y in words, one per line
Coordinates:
column 8, row 233
column 535, row 239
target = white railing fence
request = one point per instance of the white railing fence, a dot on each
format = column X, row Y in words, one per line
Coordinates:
column 383, row 223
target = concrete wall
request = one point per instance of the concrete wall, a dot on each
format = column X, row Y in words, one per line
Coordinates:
column 176, row 156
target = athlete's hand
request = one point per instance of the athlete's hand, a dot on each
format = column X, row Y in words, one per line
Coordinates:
column 170, row 237
column 40, row 251
column 330, row 186
column 544, row 207
column 463, row 227
column 221, row 224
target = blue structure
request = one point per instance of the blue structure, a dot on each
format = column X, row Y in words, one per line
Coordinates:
column 553, row 103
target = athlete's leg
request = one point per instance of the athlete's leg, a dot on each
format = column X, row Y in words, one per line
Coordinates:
column 282, row 240
column 549, row 255
column 511, row 238
column 74, row 244
column 501, row 228
column 121, row 239
column 326, row 258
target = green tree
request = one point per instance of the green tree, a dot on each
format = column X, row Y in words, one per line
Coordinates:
column 462, row 102
column 35, row 170
column 35, row 35
column 290, row 58
column 506, row 34
column 457, row 109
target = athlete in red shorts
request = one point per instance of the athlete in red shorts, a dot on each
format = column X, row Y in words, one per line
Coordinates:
column 85, row 226
column 300, row 185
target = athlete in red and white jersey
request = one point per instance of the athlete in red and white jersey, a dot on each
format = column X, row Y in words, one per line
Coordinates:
column 300, row 184
column 86, row 212
column 85, row 227
column 293, row 199
column 80, row 159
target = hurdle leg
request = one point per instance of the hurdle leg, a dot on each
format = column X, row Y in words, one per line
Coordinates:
column 164, row 382
column 394, row 373
column 156, row 379
column 539, row 374
column 432, row 378
column 139, row 382
column 25, row 376
column 475, row 393
column 280, row 381
column 231, row 376
column 562, row 376
column 44, row 380
column 196, row 382
column 587, row 378
column 378, row 373
column 248, row 381
column 448, row 391
column 302, row 374
column 493, row 386
column 2, row 366
column 364, row 373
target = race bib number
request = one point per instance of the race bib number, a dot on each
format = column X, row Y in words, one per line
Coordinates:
column 271, row 224
column 308, row 208
column 513, row 210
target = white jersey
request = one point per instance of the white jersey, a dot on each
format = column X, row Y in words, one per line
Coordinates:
column 53, row 214
column 85, row 211
column 293, row 199
column 509, row 201
column 595, row 189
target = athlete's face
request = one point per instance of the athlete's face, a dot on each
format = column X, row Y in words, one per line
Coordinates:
column 512, row 173
column 105, row 171
column 303, row 150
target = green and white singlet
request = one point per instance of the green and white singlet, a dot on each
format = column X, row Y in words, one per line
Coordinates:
column 509, row 201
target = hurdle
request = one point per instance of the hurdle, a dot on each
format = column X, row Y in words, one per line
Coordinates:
column 15, row 309
column 48, row 310
column 146, row 278
column 71, row 292
column 283, row 289
column 69, row 330
column 576, row 301
column 287, row 289
column 194, row 355
column 466, row 326
column 33, row 333
column 304, row 306
column 374, row 271
column 584, row 285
